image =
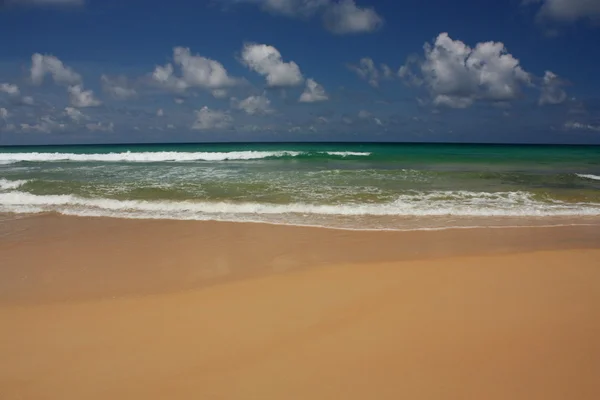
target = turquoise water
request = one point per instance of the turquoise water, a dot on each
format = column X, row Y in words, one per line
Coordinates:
column 369, row 186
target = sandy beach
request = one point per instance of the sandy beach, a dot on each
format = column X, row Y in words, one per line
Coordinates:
column 134, row 309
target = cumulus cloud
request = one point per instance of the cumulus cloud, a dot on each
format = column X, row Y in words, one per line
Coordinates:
column 339, row 16
column 267, row 61
column 211, row 119
column 82, row 98
column 10, row 89
column 165, row 77
column 42, row 65
column 551, row 89
column 345, row 17
column 566, row 10
column 367, row 70
column 4, row 114
column 456, row 75
column 313, row 92
column 74, row 114
column 117, row 88
column 253, row 105
column 160, row 112
column 196, row 71
column 201, row 71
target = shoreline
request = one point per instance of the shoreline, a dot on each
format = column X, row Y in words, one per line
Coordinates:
column 62, row 258
column 526, row 222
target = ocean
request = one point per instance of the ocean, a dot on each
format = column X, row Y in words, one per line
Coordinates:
column 337, row 185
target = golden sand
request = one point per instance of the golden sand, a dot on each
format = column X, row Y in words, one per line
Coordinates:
column 110, row 309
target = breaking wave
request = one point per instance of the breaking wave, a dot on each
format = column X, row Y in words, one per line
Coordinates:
column 172, row 156
column 589, row 176
column 437, row 203
column 5, row 184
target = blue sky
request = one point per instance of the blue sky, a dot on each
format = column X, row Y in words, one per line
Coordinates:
column 91, row 71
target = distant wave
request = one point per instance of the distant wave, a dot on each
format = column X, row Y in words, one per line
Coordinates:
column 5, row 184
column 589, row 176
column 164, row 156
column 437, row 203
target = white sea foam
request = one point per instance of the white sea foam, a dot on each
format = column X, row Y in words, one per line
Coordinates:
column 5, row 184
column 347, row 153
column 162, row 156
column 589, row 176
column 442, row 203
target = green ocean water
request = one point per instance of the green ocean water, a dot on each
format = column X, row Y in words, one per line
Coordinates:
column 363, row 185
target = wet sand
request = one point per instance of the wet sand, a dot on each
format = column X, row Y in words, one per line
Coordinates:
column 103, row 308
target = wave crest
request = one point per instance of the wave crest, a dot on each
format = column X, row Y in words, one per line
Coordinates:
column 436, row 203
column 5, row 184
column 589, row 176
column 168, row 156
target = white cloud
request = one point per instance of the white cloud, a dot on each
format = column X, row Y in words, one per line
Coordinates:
column 266, row 60
column 313, row 92
column 452, row 101
column 387, row 71
column 118, row 88
column 253, row 105
column 27, row 100
column 566, row 10
column 100, row 127
column 4, row 114
column 82, row 98
column 74, row 114
column 165, row 77
column 339, row 16
column 345, row 17
column 290, row 8
column 160, row 112
column 367, row 70
column 45, row 125
column 178, row 100
column 552, row 93
column 211, row 119
column 571, row 125
column 367, row 116
column 457, row 75
column 200, row 71
column 196, row 71
column 42, row 65
column 219, row 93
column 10, row 89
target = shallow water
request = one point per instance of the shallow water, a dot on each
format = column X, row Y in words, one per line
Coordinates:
column 356, row 186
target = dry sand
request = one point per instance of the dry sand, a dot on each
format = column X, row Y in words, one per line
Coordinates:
column 110, row 309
